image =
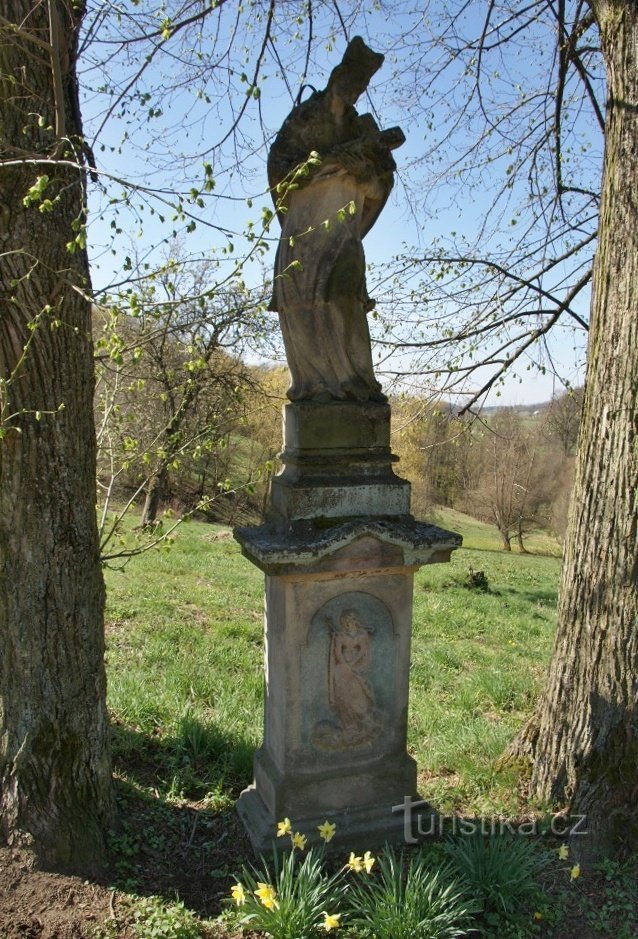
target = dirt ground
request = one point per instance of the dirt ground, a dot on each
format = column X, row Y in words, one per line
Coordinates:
column 35, row 905
column 174, row 852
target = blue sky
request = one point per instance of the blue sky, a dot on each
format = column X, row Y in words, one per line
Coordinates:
column 164, row 139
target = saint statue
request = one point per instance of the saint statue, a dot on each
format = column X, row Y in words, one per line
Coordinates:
column 330, row 171
column 350, row 694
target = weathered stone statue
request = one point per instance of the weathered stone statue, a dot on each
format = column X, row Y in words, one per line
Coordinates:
column 339, row 546
column 319, row 284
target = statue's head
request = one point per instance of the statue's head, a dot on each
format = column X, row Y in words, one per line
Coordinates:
column 351, row 77
column 350, row 624
column 351, row 640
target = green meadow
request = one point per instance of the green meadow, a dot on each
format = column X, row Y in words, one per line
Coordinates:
column 184, row 652
column 184, row 659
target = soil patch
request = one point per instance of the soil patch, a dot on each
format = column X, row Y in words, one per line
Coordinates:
column 37, row 905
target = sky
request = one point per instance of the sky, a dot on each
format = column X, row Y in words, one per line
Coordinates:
column 176, row 112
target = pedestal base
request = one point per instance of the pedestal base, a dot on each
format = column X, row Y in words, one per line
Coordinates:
column 339, row 552
column 327, row 785
column 337, row 464
column 359, row 829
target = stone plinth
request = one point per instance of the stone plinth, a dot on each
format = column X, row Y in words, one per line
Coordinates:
column 337, row 464
column 339, row 552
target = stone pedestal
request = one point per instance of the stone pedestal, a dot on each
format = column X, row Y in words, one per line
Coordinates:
column 339, row 552
column 337, row 464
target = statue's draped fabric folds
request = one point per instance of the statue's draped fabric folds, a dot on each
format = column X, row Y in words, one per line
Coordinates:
column 319, row 286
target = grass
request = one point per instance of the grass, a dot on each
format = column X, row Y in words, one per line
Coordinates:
column 184, row 658
column 185, row 665
column 478, row 661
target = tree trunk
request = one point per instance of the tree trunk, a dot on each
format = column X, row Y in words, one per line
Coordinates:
column 583, row 738
column 172, row 442
column 519, row 538
column 505, row 538
column 154, row 493
column 55, row 794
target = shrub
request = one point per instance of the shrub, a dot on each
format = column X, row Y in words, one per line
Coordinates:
column 501, row 873
column 409, row 901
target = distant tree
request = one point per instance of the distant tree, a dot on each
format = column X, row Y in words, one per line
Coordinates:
column 262, row 429
column 505, row 473
column 171, row 389
column 562, row 419
column 434, row 448
column 194, row 380
column 55, row 796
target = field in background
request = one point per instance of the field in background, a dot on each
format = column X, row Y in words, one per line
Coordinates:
column 482, row 537
column 184, row 649
column 185, row 665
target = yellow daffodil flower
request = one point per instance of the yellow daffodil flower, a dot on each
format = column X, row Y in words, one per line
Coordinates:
column 238, row 894
column 284, row 828
column 563, row 852
column 355, row 863
column 574, row 872
column 299, row 840
column 538, row 916
column 368, row 861
column 266, row 893
column 331, row 921
column 327, row 831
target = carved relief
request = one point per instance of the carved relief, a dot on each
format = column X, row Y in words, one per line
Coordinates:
column 357, row 719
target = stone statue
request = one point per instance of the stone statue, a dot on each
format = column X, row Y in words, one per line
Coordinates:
column 325, row 209
column 350, row 693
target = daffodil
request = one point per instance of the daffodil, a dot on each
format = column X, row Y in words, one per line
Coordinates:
column 266, row 893
column 355, row 863
column 238, row 894
column 284, row 828
column 563, row 852
column 299, row 840
column 327, row 831
column 538, row 916
column 368, row 861
column 332, row 921
column 574, row 872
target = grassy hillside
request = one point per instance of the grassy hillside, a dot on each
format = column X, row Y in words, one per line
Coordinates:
column 185, row 663
column 485, row 537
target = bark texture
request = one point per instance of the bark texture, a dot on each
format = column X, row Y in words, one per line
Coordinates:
column 584, row 736
column 54, row 766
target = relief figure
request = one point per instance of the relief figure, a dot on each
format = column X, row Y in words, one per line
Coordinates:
column 350, row 694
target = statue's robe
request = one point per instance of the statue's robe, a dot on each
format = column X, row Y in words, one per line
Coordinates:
column 319, row 287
